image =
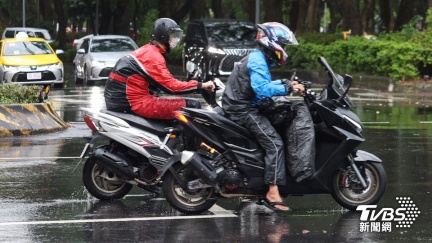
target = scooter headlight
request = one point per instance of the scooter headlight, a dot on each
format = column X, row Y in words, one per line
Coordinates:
column 356, row 125
column 215, row 50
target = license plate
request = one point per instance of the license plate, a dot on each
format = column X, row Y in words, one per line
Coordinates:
column 32, row 76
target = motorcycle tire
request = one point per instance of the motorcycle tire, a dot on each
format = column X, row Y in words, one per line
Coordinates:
column 188, row 202
column 350, row 198
column 103, row 184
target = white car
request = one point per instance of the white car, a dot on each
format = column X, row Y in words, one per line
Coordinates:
column 97, row 55
column 77, row 42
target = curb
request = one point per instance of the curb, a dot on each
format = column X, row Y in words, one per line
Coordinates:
column 29, row 119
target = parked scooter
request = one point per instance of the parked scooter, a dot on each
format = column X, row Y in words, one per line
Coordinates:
column 232, row 163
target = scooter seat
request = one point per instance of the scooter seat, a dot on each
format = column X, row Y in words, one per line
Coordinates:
column 156, row 126
column 219, row 114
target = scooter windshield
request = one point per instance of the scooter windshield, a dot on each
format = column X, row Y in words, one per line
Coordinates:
column 337, row 83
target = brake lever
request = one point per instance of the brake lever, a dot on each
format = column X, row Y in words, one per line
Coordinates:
column 294, row 77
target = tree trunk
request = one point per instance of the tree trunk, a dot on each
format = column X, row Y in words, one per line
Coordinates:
column 184, row 10
column 293, row 16
column 385, row 14
column 46, row 11
column 273, row 11
column 62, row 22
column 351, row 17
column 104, row 20
column 196, row 10
column 5, row 18
column 301, row 13
column 404, row 14
column 120, row 19
column 365, row 14
column 217, row 9
column 90, row 24
column 335, row 9
column 249, row 9
column 136, row 14
column 312, row 16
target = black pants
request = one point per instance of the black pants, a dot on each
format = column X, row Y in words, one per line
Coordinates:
column 260, row 127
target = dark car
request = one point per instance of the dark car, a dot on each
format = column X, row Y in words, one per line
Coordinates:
column 216, row 45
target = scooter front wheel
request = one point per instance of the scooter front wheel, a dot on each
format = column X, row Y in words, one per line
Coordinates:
column 103, row 184
column 348, row 192
column 185, row 200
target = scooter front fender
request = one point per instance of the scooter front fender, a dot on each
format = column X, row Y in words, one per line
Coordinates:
column 174, row 159
column 363, row 156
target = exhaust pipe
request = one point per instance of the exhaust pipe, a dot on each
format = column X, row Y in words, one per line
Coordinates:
column 113, row 163
column 201, row 168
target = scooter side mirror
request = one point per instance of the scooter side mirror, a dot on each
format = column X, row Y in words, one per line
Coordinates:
column 348, row 80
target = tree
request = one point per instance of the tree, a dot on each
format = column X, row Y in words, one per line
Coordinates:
column 386, row 15
column 61, row 18
column 301, row 16
column 272, row 11
column 216, row 7
column 313, row 16
column 336, row 10
column 405, row 13
column 351, row 17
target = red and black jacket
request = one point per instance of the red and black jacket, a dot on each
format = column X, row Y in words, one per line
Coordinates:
column 132, row 83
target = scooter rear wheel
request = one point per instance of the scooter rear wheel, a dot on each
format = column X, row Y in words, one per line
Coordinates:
column 103, row 184
column 187, row 201
column 349, row 193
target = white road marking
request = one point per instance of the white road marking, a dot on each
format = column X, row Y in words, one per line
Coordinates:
column 376, row 122
column 217, row 211
column 37, row 158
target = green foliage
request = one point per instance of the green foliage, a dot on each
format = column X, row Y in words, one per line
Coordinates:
column 144, row 37
column 323, row 38
column 18, row 94
column 175, row 56
column 390, row 57
column 428, row 20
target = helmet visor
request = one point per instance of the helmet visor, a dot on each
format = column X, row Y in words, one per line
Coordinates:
column 285, row 36
column 175, row 38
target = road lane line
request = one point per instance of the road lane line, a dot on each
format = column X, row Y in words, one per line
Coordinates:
column 217, row 211
column 30, row 158
column 376, row 122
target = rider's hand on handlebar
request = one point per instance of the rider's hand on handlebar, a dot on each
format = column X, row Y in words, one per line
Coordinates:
column 208, row 86
column 298, row 88
column 289, row 82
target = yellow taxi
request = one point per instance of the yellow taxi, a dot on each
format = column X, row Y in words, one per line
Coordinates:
column 25, row 60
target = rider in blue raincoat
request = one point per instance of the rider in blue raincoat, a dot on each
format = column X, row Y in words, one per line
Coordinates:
column 250, row 82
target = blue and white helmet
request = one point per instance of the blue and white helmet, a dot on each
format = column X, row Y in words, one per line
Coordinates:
column 273, row 37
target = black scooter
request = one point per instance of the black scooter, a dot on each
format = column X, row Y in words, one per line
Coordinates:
column 228, row 162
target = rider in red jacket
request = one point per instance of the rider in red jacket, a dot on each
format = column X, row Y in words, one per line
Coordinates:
column 136, row 78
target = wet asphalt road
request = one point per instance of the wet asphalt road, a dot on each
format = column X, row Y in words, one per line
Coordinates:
column 43, row 200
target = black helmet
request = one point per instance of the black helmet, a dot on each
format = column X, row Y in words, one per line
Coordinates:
column 167, row 32
column 272, row 38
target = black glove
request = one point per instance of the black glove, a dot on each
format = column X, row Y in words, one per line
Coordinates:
column 287, row 83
